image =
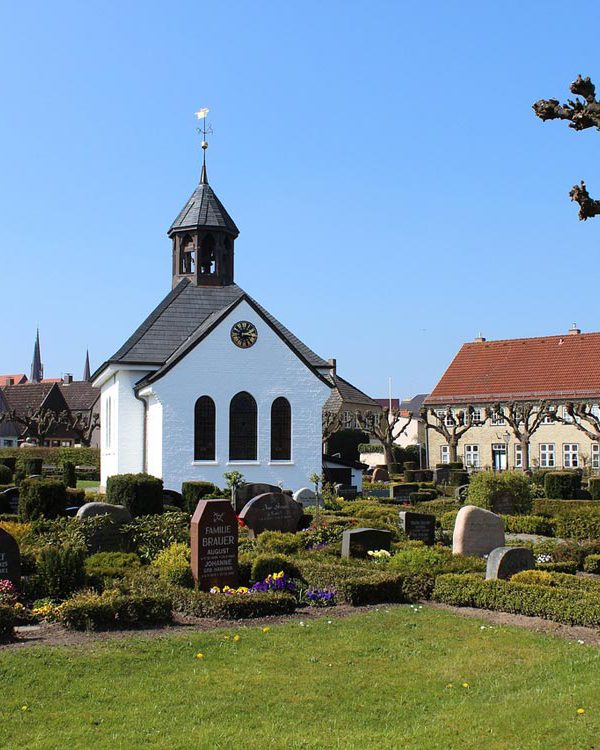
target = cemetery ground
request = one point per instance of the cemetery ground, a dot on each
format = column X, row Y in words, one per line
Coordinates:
column 393, row 676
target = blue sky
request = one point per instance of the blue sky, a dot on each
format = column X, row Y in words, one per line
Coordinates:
column 394, row 191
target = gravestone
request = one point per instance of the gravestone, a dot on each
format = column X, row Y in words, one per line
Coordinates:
column 441, row 474
column 368, row 492
column 305, row 496
column 461, row 492
column 477, row 531
column 357, row 542
column 346, row 491
column 271, row 511
column 11, row 497
column 214, row 542
column 10, row 559
column 108, row 537
column 503, row 503
column 504, row 562
column 172, row 497
column 418, row 526
column 401, row 492
column 245, row 492
column 380, row 475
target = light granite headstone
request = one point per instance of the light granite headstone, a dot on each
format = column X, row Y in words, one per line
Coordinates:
column 504, row 562
column 305, row 496
column 477, row 532
column 107, row 537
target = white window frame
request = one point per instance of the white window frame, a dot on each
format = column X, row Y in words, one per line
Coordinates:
column 570, row 455
column 476, row 416
column 472, row 454
column 498, row 420
column 518, row 456
column 108, row 437
column 550, row 420
column 444, row 454
column 595, row 455
column 547, row 455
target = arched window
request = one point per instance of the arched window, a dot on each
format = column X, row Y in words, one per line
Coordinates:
column 281, row 430
column 187, row 256
column 204, row 429
column 242, row 427
column 207, row 255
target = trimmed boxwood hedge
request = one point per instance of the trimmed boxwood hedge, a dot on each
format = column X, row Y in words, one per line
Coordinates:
column 557, row 604
column 558, row 567
column 232, row 606
column 53, row 456
column 579, row 526
column 193, row 492
column 110, row 609
column 486, row 485
column 6, row 474
column 594, row 487
column 142, row 494
column 591, row 564
column 543, row 507
column 10, row 462
column 41, row 498
column 7, row 622
column 562, row 484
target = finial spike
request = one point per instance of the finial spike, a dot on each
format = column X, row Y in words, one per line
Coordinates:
column 203, row 176
column 204, row 131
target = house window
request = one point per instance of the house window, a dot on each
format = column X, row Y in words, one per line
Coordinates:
column 243, row 424
column 547, row 456
column 595, row 455
column 472, row 455
column 204, row 429
column 476, row 416
column 549, row 418
column 498, row 419
column 108, row 434
column 570, row 455
column 445, row 454
column 347, row 420
column 281, row 430
column 518, row 456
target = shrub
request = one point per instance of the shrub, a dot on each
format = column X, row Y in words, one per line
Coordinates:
column 5, row 474
column 557, row 567
column 173, row 564
column 60, row 570
column 232, row 606
column 150, row 534
column 193, row 492
column 552, row 603
column 485, row 486
column 90, row 611
column 7, row 621
column 433, row 561
column 594, row 487
column 69, row 475
column 265, row 565
column 41, row 498
column 422, row 496
column 75, row 497
column 111, row 564
column 578, row 526
column 458, row 477
column 543, row 507
column 591, row 564
column 438, row 507
column 562, row 484
column 529, row 525
column 10, row 462
column 557, row 580
column 142, row 494
column 278, row 542
column 32, row 466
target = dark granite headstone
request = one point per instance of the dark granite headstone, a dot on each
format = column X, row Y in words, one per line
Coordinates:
column 245, row 492
column 346, row 491
column 11, row 496
column 504, row 562
column 503, row 503
column 214, row 541
column 441, row 475
column 10, row 559
column 368, row 492
column 272, row 511
column 419, row 526
column 380, row 475
column 402, row 492
column 107, row 537
column 172, row 497
column 357, row 542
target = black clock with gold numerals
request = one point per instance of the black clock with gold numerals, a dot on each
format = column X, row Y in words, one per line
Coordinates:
column 244, row 334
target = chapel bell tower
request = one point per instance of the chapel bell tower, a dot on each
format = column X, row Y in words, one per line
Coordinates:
column 203, row 236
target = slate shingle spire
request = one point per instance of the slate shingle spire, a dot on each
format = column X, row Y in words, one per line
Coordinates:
column 37, row 368
column 86, row 368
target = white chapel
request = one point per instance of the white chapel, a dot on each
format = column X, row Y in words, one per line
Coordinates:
column 211, row 382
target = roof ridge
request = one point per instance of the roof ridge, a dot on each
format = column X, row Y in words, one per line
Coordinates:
column 532, row 338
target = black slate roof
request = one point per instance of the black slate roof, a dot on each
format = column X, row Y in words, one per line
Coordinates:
column 204, row 209
column 347, row 394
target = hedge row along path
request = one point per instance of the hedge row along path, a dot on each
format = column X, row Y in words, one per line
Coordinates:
column 47, row 634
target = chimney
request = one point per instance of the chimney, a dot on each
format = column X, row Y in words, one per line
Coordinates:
column 479, row 339
column 10, row 381
column 68, row 378
column 573, row 330
column 333, row 364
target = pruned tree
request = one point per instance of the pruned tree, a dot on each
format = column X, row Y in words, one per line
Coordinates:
column 451, row 425
column 35, row 423
column 82, row 423
column 524, row 418
column 581, row 116
column 386, row 426
column 332, row 422
column 581, row 414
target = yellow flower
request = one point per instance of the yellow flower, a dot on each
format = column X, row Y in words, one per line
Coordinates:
column 199, row 655
column 266, row 629
column 24, row 708
column 465, row 684
column 581, row 711
column 215, row 590
column 226, row 637
column 237, row 638
column 276, row 576
column 242, row 590
column 449, row 685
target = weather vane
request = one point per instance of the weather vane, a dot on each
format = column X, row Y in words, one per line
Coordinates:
column 205, row 130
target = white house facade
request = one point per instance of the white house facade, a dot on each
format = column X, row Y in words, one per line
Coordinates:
column 211, row 382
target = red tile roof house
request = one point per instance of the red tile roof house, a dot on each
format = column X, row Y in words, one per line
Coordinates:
column 519, row 403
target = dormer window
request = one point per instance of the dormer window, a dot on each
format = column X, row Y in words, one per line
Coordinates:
column 187, row 256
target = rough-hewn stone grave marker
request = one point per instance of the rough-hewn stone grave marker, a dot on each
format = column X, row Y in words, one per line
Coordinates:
column 419, row 526
column 214, row 541
column 271, row 511
column 380, row 475
column 504, row 562
column 357, row 542
column 10, row 559
column 245, row 492
column 477, row 532
column 108, row 537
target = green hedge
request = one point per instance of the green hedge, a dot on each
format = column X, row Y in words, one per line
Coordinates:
column 265, row 565
column 578, row 526
column 232, row 606
column 32, row 466
column 543, row 507
column 173, row 564
column 10, row 462
column 591, row 564
column 558, row 567
column 558, row 580
column 557, row 604
column 562, row 484
column 594, row 487
column 60, row 570
column 529, row 525
column 69, row 475
column 54, row 456
column 142, row 494
column 98, row 611
column 193, row 492
column 438, row 507
column 41, row 498
column 6, row 474
column 423, row 496
column 486, row 485
column 148, row 535
column 111, row 564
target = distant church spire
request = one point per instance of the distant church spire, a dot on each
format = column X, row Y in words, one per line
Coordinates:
column 86, row 369
column 37, row 368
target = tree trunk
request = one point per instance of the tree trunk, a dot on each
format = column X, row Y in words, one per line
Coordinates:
column 453, row 450
column 524, row 454
column 388, row 454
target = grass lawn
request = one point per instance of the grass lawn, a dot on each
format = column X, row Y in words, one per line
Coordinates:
column 87, row 484
column 383, row 679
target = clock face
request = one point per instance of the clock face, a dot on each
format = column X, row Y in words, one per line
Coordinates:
column 244, row 334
